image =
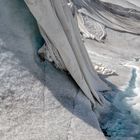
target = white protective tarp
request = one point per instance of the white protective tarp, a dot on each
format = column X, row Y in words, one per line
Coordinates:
column 60, row 31
column 119, row 15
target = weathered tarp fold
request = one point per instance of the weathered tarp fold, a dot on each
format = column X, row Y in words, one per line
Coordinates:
column 120, row 15
column 61, row 31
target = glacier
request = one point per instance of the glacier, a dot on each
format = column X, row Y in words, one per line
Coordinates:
column 39, row 102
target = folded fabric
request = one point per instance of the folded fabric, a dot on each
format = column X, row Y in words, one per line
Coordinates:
column 60, row 31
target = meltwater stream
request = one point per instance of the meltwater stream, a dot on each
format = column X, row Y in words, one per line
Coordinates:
column 122, row 123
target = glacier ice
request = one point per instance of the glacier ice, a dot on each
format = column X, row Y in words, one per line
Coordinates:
column 123, row 121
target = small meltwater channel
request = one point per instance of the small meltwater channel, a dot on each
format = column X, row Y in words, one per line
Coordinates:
column 123, row 122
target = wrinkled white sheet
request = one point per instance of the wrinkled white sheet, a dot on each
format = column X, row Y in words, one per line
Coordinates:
column 121, row 15
column 60, row 30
